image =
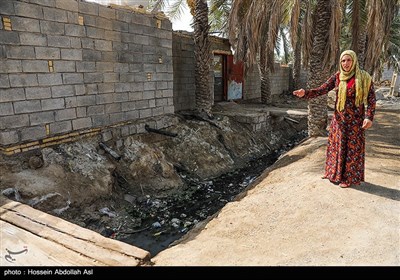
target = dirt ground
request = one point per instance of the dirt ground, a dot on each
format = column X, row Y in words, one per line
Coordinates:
column 291, row 217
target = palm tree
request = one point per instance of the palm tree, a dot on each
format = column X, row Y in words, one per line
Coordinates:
column 320, row 31
column 253, row 32
column 199, row 10
column 297, row 21
column 368, row 30
column 219, row 13
column 381, row 14
column 204, row 96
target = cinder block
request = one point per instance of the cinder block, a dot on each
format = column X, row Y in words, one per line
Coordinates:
column 47, row 3
column 23, row 80
column 51, row 27
column 58, row 41
column 88, row 8
column 6, row 109
column 29, row 106
column 37, row 92
column 4, row 81
column 117, row 117
column 106, row 12
column 60, row 127
column 66, row 114
column 64, row 66
column 11, row 66
column 53, row 104
column 33, row 133
column 8, row 137
column 14, row 121
column 35, row 66
column 50, row 79
column 81, row 123
column 28, row 10
column 32, row 39
column 47, row 53
column 75, row 30
column 12, row 94
column 70, row 5
column 41, row 118
column 55, row 14
column 100, row 120
column 7, row 7
column 62, row 91
column 25, row 24
column 72, row 78
column 21, row 52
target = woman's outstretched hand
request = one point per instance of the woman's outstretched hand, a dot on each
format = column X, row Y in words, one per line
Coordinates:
column 299, row 93
column 366, row 124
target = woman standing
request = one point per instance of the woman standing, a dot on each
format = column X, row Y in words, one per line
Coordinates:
column 345, row 155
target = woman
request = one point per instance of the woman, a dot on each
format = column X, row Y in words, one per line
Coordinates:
column 345, row 155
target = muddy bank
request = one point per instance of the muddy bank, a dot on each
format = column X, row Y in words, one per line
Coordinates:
column 160, row 187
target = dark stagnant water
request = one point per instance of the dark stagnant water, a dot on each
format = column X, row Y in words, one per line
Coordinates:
column 163, row 221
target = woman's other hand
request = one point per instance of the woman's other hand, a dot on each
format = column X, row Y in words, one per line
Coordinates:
column 366, row 124
column 299, row 93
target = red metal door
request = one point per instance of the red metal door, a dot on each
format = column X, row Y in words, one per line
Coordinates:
column 234, row 79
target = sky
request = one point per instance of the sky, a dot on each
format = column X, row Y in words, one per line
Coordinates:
column 184, row 22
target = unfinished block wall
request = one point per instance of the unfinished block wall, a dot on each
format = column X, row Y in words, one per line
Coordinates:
column 280, row 81
column 184, row 67
column 68, row 66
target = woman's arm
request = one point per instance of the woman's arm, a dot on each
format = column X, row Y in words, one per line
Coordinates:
column 371, row 103
column 323, row 89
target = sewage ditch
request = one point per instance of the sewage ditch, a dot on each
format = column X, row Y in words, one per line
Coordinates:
column 154, row 223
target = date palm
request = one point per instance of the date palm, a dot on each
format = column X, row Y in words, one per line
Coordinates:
column 253, row 32
column 318, row 22
column 323, row 55
column 368, row 28
column 202, row 48
column 202, row 53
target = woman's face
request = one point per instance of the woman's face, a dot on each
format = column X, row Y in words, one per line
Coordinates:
column 346, row 62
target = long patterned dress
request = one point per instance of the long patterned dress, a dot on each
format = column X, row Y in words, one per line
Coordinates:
column 345, row 154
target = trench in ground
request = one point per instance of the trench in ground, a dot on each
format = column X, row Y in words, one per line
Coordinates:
column 163, row 221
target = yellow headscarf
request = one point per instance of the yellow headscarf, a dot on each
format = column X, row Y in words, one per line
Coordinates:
column 363, row 81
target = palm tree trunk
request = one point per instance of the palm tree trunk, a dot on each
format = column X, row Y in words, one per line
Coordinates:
column 204, row 98
column 362, row 45
column 265, row 78
column 297, row 65
column 317, row 107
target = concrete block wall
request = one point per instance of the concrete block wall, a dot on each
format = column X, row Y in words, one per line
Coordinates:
column 252, row 84
column 184, row 75
column 280, row 81
column 69, row 65
column 184, row 67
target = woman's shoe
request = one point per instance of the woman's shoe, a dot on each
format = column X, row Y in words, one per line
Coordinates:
column 344, row 185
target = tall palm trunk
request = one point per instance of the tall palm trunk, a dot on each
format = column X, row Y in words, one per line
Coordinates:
column 297, row 65
column 362, row 46
column 204, row 97
column 317, row 107
column 265, row 78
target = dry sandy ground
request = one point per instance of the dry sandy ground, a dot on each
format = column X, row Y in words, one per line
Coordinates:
column 292, row 217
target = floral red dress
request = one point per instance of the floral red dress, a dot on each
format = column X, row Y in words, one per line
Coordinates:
column 345, row 154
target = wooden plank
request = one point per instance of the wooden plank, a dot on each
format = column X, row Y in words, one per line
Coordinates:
column 39, row 251
column 74, row 230
column 85, row 247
